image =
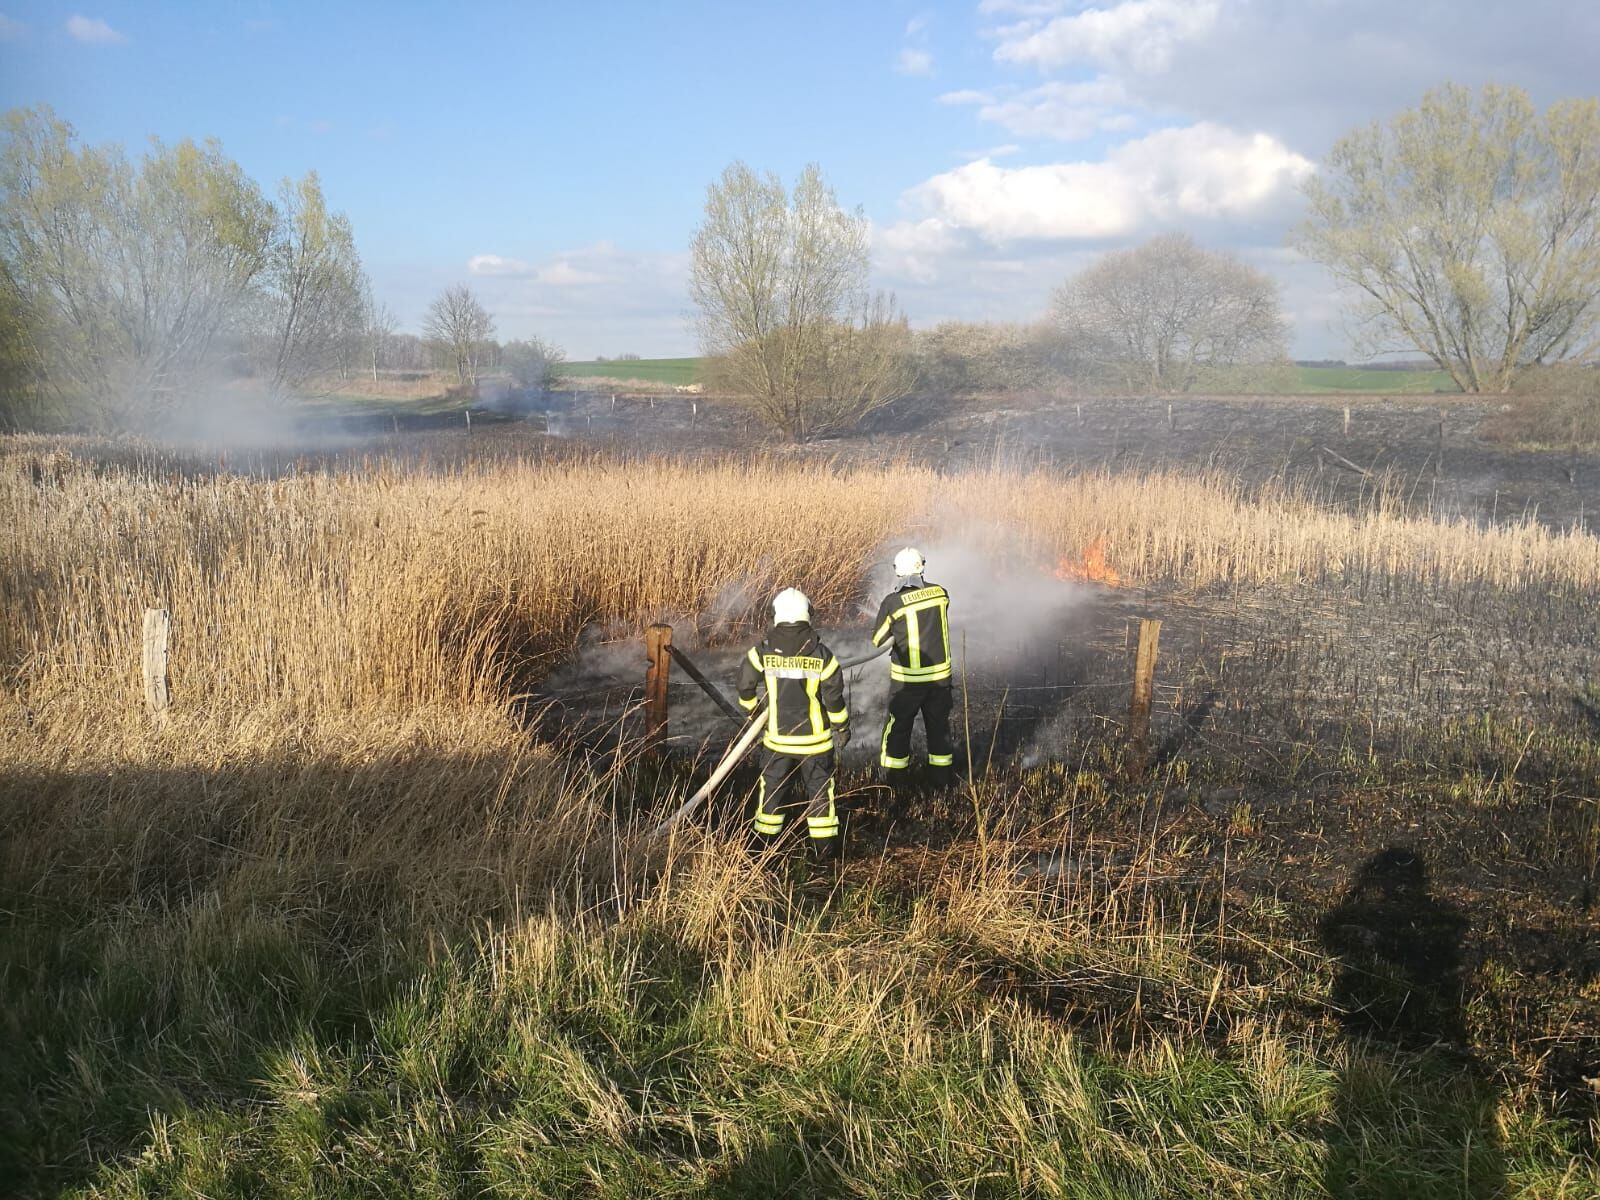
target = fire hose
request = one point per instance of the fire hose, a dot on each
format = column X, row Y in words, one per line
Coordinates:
column 736, row 752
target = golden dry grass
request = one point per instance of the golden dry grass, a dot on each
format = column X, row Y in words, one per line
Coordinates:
column 338, row 927
column 337, row 592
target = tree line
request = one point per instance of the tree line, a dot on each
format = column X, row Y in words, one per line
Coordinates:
column 129, row 288
column 1467, row 230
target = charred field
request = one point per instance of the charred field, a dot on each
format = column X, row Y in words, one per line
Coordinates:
column 373, row 909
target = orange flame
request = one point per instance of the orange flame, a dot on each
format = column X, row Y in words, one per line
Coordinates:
column 1091, row 568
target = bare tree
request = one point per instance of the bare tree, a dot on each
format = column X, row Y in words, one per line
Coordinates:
column 967, row 358
column 532, row 362
column 314, row 289
column 378, row 327
column 1471, row 232
column 126, row 275
column 780, row 282
column 1161, row 315
column 461, row 326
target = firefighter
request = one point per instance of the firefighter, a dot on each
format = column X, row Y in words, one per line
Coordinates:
column 916, row 615
column 806, row 721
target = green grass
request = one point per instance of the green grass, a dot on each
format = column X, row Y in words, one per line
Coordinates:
column 1361, row 379
column 830, row 1051
column 677, row 372
column 287, row 1027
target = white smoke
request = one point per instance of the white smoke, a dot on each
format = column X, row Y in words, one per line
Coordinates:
column 1006, row 611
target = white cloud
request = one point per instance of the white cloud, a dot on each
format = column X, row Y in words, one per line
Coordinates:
column 11, row 31
column 1026, row 8
column 595, row 299
column 913, row 62
column 1064, row 111
column 1004, row 151
column 489, row 265
column 95, row 31
column 918, row 24
column 1136, row 35
column 562, row 273
column 1202, row 172
column 966, row 96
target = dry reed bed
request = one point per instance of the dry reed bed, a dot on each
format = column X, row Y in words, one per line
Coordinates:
column 327, row 593
column 341, row 805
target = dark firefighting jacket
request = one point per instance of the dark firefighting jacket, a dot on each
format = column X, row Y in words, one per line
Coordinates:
column 803, row 685
column 918, row 619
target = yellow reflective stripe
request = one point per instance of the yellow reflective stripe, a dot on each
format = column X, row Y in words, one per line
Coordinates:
column 766, row 822
column 755, row 659
column 919, row 674
column 749, row 705
column 840, row 717
column 798, row 751
column 944, row 628
column 883, row 630
column 772, row 705
column 825, row 738
column 829, row 671
column 817, row 723
column 941, row 760
column 883, row 749
column 827, row 825
column 913, row 638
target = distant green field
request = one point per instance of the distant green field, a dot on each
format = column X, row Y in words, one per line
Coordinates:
column 1364, row 379
column 674, row 371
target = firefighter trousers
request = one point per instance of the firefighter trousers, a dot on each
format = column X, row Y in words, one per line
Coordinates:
column 808, row 778
column 906, row 700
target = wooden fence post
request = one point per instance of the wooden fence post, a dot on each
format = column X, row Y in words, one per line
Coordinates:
column 1347, row 420
column 658, row 651
column 1144, row 674
column 157, row 680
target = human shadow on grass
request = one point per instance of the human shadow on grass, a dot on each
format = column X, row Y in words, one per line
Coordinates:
column 1415, row 1111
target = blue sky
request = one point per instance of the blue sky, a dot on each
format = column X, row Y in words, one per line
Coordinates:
column 556, row 156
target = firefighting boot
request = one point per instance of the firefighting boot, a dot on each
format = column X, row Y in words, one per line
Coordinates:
column 825, row 852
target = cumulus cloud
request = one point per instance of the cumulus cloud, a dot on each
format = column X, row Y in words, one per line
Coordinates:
column 1137, row 35
column 1303, row 72
column 594, row 299
column 1026, row 8
column 563, row 273
column 1201, row 172
column 1004, row 151
column 1066, row 112
column 966, row 96
column 913, row 62
column 489, row 265
column 94, row 31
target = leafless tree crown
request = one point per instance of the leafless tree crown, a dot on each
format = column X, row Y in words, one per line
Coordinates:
column 1161, row 315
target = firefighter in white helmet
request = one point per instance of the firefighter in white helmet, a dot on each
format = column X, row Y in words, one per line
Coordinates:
column 916, row 615
column 806, row 721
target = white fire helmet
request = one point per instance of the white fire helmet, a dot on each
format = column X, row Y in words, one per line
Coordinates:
column 790, row 606
column 909, row 562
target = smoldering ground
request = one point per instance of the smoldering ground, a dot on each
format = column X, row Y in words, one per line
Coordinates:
column 1008, row 615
